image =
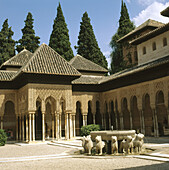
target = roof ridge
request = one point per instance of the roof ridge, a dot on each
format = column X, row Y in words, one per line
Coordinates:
column 87, row 60
column 148, row 22
column 15, row 56
column 23, row 67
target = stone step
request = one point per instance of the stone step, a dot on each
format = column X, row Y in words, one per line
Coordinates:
column 65, row 145
column 154, row 158
column 158, row 155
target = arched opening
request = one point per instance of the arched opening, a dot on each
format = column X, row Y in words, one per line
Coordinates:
column 98, row 114
column 89, row 115
column 117, row 114
column 162, row 117
column 79, row 118
column 154, row 46
column 106, row 116
column 62, row 107
column 148, row 116
column 164, row 41
column 48, row 120
column 135, row 114
column 113, row 116
column 9, row 120
column 126, row 114
column 38, row 121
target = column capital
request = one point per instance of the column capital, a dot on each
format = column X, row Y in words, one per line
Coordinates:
column 68, row 111
column 84, row 114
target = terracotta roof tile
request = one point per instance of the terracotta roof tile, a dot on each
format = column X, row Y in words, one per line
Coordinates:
column 7, row 75
column 46, row 61
column 148, row 23
column 19, row 60
column 85, row 79
column 150, row 34
column 83, row 64
column 136, row 69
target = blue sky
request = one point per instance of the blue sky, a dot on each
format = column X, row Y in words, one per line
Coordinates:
column 104, row 15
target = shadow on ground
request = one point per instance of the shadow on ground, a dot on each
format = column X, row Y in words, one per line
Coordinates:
column 162, row 166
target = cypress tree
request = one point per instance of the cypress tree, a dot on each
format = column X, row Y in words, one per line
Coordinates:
column 28, row 40
column 125, row 26
column 7, row 44
column 59, row 38
column 87, row 43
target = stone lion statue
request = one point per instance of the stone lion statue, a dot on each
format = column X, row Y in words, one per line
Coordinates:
column 114, row 145
column 99, row 145
column 127, row 145
column 83, row 139
column 88, row 144
column 138, row 142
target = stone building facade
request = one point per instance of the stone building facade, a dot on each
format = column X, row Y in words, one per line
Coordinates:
column 42, row 96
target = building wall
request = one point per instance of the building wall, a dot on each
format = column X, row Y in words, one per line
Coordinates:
column 151, row 55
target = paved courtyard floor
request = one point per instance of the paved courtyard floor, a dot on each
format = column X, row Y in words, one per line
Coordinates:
column 45, row 156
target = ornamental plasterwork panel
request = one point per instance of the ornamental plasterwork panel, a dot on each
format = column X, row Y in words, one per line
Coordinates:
column 145, row 89
column 158, row 85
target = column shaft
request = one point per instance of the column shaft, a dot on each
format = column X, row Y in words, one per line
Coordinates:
column 27, row 128
column 94, row 119
column 70, row 127
column 20, row 127
column 30, row 129
column 43, row 126
column 33, row 126
column 16, row 127
column 23, row 129
column 56, row 130
column 53, row 128
column 74, row 126
column 131, row 121
column 60, row 126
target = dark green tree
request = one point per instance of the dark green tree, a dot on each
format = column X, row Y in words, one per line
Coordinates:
column 7, row 44
column 87, row 43
column 59, row 38
column 125, row 26
column 28, row 40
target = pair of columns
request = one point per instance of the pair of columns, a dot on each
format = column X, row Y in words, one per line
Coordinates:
column 29, row 121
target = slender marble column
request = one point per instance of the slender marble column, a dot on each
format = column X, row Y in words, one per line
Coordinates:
column 20, row 127
column 109, row 121
column 70, row 126
column 94, row 118
column 53, row 127
column 116, row 121
column 83, row 120
column 43, row 126
column 30, row 128
column 16, row 127
column 27, row 128
column 33, row 126
column 60, row 126
column 74, row 126
column 66, row 126
column 23, row 129
column 131, row 121
column 56, row 130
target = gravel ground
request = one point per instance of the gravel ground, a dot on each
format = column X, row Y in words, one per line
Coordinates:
column 73, row 163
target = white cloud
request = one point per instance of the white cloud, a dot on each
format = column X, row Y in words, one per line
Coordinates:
column 149, row 2
column 152, row 12
column 128, row 1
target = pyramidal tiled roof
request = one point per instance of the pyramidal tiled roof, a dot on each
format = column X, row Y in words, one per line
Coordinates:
column 46, row 61
column 19, row 60
column 148, row 23
column 81, row 63
column 7, row 75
